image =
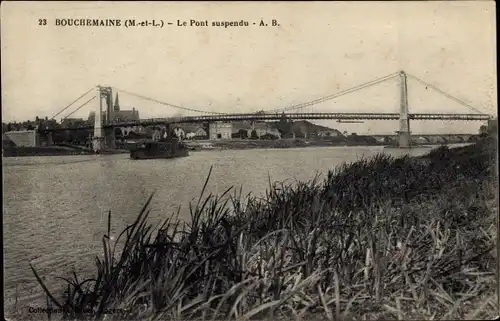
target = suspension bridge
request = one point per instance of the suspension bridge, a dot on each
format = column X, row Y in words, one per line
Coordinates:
column 103, row 136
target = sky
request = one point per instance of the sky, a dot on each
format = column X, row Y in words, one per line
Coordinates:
column 318, row 49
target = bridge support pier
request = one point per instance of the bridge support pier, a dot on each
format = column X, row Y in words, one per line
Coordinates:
column 168, row 130
column 404, row 139
column 98, row 138
column 97, row 144
column 50, row 140
column 404, row 121
column 110, row 141
column 103, row 137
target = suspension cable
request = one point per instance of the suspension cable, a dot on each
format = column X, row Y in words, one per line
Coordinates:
column 446, row 94
column 167, row 104
column 341, row 93
column 71, row 104
column 80, row 107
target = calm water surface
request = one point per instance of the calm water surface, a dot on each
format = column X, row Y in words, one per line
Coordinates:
column 55, row 208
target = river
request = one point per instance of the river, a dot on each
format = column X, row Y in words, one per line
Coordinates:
column 55, row 208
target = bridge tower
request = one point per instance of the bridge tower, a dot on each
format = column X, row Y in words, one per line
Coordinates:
column 103, row 137
column 404, row 121
column 98, row 138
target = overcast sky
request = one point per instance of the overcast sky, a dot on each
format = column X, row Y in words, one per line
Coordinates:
column 319, row 49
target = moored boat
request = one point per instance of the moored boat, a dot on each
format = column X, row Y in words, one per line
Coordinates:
column 166, row 148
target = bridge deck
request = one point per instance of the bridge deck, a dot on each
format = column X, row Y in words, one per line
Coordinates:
column 292, row 116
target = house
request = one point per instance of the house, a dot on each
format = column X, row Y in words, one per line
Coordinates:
column 263, row 129
column 240, row 129
column 244, row 130
column 7, row 142
column 189, row 131
column 25, row 138
column 220, row 130
column 128, row 130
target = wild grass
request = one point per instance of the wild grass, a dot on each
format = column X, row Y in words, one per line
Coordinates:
column 380, row 238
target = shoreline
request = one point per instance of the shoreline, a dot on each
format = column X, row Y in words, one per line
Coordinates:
column 40, row 151
column 36, row 152
column 203, row 146
column 419, row 201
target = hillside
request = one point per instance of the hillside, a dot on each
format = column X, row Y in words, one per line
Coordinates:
column 305, row 126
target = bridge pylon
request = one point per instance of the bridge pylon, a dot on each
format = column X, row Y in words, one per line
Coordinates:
column 404, row 121
column 103, row 138
column 98, row 138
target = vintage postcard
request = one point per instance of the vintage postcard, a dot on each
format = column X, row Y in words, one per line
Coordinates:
column 249, row 160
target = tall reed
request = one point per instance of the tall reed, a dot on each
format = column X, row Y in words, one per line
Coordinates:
column 382, row 237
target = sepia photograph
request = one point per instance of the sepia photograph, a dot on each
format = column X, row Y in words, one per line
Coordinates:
column 245, row 160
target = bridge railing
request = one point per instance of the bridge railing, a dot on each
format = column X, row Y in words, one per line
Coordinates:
column 293, row 116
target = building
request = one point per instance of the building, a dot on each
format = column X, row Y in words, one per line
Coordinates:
column 263, row 129
column 127, row 130
column 123, row 115
column 244, row 129
column 189, row 131
column 220, row 130
column 240, row 129
column 7, row 142
column 25, row 138
column 117, row 114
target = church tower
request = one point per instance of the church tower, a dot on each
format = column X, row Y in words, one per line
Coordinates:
column 117, row 104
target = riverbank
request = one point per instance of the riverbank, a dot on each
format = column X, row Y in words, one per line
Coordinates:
column 42, row 151
column 241, row 144
column 20, row 151
column 378, row 238
column 215, row 145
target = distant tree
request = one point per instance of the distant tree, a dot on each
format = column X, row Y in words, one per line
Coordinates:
column 242, row 134
column 118, row 133
column 492, row 129
column 269, row 136
column 254, row 135
column 284, row 125
column 298, row 133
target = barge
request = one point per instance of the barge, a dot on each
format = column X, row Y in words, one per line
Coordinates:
column 165, row 148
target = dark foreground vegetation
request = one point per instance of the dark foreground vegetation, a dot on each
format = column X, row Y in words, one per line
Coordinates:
column 381, row 238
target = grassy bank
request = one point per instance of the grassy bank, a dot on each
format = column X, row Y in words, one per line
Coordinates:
column 20, row 151
column 279, row 143
column 380, row 238
column 240, row 144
